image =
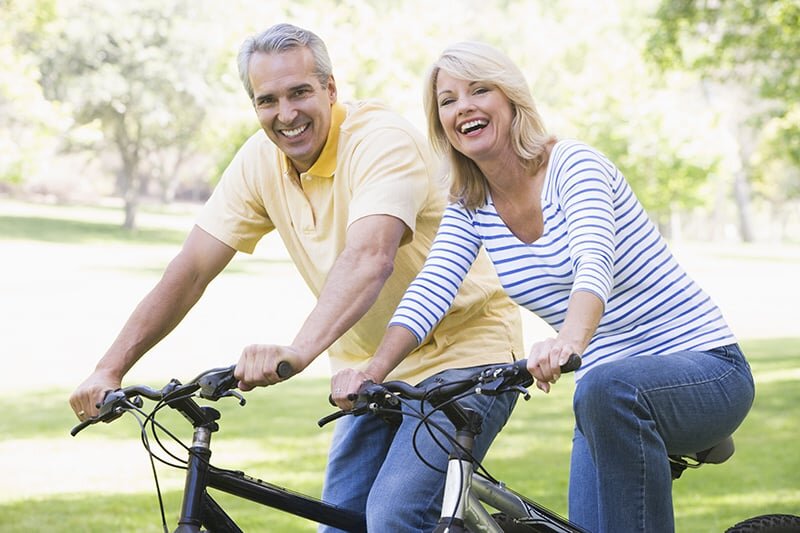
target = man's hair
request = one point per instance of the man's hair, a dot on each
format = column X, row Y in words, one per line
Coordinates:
column 475, row 61
column 281, row 38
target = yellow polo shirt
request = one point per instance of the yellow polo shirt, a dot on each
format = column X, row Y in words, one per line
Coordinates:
column 374, row 162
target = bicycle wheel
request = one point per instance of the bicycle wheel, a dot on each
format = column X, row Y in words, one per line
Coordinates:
column 768, row 523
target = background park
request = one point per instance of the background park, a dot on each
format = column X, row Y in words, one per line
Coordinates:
column 117, row 118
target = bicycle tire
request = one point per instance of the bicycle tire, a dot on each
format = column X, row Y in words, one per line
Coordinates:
column 768, row 523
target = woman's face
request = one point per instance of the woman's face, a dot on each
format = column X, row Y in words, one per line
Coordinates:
column 476, row 117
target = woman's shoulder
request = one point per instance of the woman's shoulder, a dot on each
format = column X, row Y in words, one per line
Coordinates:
column 565, row 148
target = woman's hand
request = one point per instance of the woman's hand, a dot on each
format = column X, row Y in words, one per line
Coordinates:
column 345, row 383
column 546, row 358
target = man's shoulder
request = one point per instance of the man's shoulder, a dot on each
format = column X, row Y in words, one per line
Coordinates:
column 371, row 115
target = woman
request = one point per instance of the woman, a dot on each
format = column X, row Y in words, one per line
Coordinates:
column 662, row 373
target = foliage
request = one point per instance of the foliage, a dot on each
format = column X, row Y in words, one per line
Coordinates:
column 755, row 41
column 151, row 88
column 139, row 88
column 26, row 117
column 753, row 44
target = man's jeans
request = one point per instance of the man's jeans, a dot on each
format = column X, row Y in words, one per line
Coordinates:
column 631, row 414
column 373, row 467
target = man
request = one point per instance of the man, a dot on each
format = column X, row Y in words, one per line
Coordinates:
column 352, row 193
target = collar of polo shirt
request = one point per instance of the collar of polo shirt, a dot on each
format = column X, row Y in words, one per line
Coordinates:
column 325, row 165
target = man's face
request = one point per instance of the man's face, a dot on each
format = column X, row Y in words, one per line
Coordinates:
column 293, row 107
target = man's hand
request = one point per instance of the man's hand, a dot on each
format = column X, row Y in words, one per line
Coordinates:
column 258, row 365
column 91, row 392
column 344, row 383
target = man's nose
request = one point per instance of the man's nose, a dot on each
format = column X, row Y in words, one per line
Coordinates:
column 287, row 112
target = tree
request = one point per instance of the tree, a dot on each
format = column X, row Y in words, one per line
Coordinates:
column 137, row 73
column 751, row 45
column 26, row 118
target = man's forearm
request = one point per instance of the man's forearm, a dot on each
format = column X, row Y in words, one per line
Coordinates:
column 352, row 287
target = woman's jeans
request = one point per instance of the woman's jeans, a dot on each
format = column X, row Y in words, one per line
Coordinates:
column 373, row 467
column 630, row 414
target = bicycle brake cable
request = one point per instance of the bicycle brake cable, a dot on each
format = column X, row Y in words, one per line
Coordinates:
column 143, row 427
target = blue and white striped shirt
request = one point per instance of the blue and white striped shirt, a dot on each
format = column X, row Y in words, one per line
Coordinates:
column 597, row 238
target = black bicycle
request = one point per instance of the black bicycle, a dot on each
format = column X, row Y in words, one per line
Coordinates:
column 473, row 500
column 199, row 510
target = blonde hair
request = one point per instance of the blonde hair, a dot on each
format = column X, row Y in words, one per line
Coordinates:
column 476, row 61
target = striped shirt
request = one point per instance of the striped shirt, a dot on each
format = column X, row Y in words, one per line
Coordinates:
column 598, row 238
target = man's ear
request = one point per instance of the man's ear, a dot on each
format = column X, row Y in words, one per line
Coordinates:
column 331, row 89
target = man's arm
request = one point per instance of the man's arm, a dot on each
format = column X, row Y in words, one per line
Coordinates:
column 350, row 290
column 185, row 279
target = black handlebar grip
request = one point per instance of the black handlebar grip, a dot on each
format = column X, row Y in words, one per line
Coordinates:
column 285, row 370
column 80, row 427
column 572, row 364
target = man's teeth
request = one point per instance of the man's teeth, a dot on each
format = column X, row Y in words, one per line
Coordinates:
column 295, row 132
column 472, row 125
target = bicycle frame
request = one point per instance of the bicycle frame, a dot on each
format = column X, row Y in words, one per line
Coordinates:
column 200, row 509
column 466, row 491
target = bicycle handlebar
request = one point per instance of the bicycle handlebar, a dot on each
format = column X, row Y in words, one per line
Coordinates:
column 211, row 385
column 220, row 383
column 494, row 379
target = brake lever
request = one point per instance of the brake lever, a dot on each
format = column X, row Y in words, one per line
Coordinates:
column 356, row 411
column 235, row 394
column 220, row 384
column 110, row 410
column 523, row 391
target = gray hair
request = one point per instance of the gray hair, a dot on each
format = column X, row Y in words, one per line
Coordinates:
column 281, row 38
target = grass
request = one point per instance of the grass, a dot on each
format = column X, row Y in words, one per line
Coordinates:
column 275, row 436
column 531, row 455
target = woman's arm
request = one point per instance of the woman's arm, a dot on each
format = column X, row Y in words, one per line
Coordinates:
column 584, row 312
column 424, row 304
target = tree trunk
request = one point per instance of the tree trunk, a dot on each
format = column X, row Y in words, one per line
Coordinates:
column 741, row 193
column 746, row 137
column 131, row 207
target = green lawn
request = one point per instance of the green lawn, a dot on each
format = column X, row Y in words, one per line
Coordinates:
column 275, row 436
column 531, row 455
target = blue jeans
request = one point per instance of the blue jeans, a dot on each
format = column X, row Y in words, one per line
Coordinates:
column 631, row 414
column 373, row 467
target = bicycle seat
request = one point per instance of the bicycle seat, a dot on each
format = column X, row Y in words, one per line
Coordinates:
column 719, row 453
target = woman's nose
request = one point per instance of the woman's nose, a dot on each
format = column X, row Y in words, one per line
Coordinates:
column 464, row 105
